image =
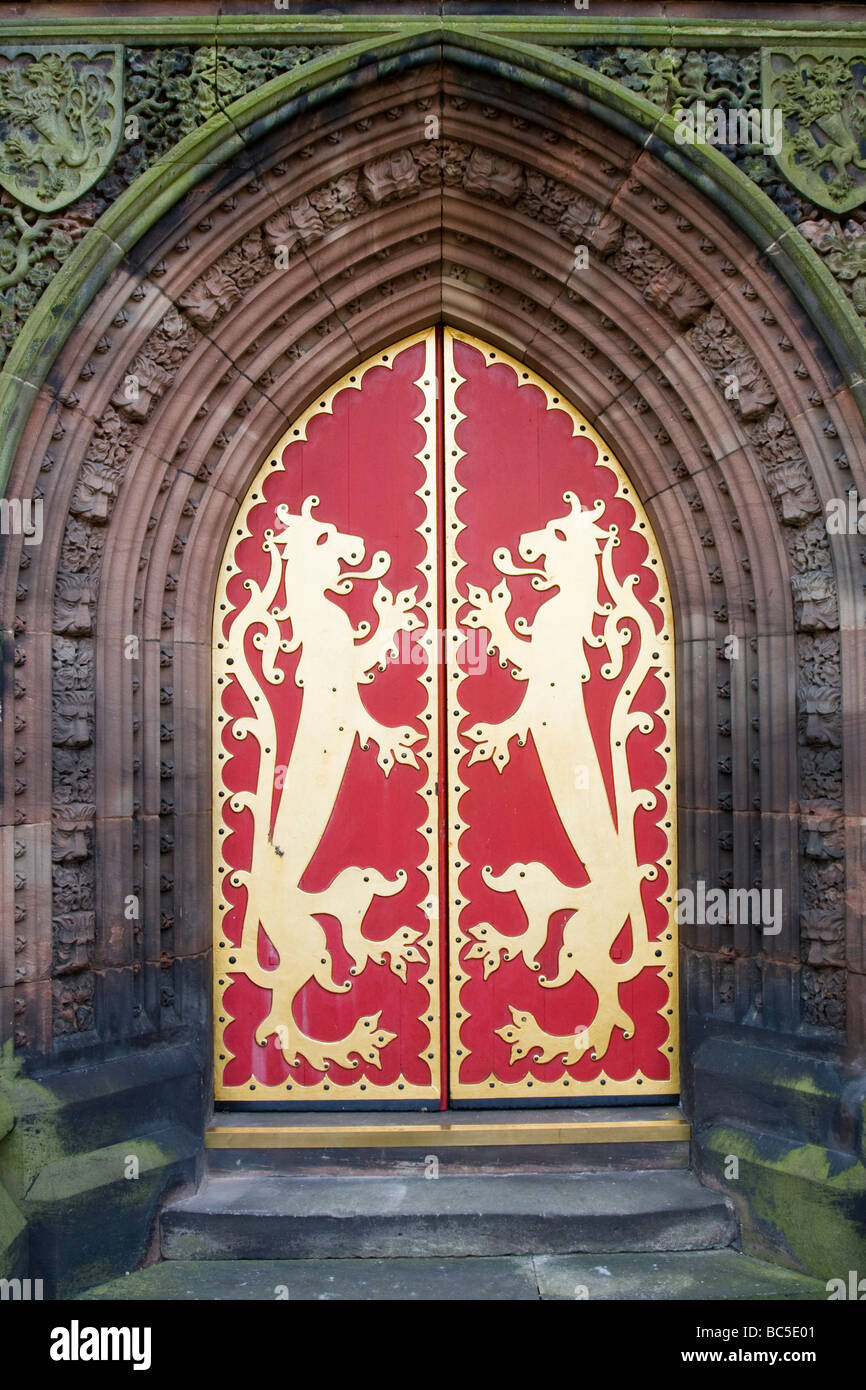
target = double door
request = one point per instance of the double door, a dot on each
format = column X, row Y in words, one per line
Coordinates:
column 444, row 830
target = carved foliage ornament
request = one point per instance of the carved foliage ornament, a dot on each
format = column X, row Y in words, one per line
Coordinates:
column 821, row 96
column 843, row 246
column 61, row 114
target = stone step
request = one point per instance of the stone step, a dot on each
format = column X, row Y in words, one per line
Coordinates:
column 565, row 1140
column 253, row 1216
column 703, row 1274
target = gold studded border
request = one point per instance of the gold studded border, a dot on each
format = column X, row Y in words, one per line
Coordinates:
column 400, row 1089
column 492, row 1087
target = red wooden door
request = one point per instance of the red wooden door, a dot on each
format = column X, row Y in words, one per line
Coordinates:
column 560, row 752
column 443, row 694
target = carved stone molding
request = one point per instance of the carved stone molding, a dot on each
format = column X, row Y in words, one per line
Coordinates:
column 264, row 284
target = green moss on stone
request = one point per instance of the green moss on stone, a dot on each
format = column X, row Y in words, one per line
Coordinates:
column 34, row 1139
column 12, row 1229
column 804, row 1203
column 127, row 1163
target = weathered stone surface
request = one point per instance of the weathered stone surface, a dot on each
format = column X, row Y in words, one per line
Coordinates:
column 266, row 1217
column 93, row 1212
column 713, row 382
column 803, row 1205
column 400, row 1280
column 458, row 1160
column 721, row 1275
column 775, row 1089
column 13, row 1238
column 64, row 1161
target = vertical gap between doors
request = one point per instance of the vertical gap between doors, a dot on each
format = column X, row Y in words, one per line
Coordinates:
column 441, row 650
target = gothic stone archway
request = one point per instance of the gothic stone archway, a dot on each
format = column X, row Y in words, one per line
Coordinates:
column 326, row 239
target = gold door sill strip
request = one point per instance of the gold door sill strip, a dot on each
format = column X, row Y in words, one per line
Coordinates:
column 665, row 1128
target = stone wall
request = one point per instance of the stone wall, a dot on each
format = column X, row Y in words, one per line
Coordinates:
column 438, row 172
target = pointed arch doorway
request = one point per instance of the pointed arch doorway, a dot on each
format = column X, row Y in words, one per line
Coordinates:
column 444, row 790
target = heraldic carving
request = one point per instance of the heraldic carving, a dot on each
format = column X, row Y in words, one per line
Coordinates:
column 61, row 116
column 821, row 95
